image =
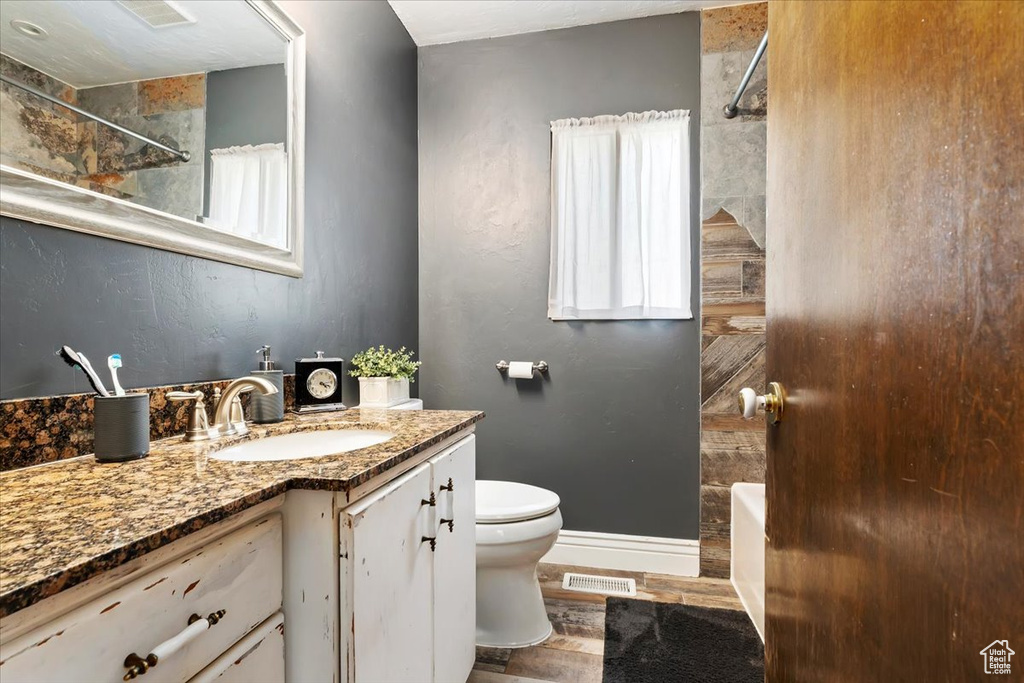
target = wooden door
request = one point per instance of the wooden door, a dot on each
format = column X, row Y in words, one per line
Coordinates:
column 390, row 568
column 895, row 306
column 454, row 473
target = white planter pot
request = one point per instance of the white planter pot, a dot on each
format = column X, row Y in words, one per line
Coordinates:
column 382, row 392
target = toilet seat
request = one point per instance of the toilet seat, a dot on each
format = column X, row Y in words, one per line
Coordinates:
column 502, row 502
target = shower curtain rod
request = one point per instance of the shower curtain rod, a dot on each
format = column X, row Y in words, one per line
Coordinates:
column 730, row 109
column 181, row 154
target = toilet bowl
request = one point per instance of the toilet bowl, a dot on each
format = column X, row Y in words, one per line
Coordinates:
column 516, row 525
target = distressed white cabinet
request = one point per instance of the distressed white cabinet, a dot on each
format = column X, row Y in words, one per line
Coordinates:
column 164, row 612
column 378, row 585
column 454, row 478
column 408, row 574
column 257, row 658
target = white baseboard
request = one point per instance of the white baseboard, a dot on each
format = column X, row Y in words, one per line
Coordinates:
column 676, row 556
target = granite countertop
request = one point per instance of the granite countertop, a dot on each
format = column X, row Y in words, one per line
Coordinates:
column 65, row 522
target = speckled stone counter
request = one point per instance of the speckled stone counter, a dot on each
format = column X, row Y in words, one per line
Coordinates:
column 65, row 522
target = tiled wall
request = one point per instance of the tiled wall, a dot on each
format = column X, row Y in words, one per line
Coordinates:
column 53, row 141
column 39, row 136
column 39, row 430
column 733, row 184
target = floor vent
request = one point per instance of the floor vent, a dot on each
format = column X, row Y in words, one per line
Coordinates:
column 606, row 585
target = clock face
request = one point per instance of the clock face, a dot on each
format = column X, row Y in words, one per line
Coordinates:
column 322, row 383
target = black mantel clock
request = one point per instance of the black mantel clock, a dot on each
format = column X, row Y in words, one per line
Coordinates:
column 318, row 384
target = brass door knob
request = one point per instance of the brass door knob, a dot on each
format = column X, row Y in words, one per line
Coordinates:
column 773, row 402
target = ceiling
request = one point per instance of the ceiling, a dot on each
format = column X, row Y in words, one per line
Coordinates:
column 431, row 22
column 99, row 42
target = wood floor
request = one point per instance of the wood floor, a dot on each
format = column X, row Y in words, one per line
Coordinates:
column 574, row 653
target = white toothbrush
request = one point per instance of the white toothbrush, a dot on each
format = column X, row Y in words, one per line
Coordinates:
column 114, row 362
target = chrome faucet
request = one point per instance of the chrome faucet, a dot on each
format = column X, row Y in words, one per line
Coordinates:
column 228, row 417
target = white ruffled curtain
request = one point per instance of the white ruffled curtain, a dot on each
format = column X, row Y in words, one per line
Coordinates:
column 248, row 192
column 620, row 217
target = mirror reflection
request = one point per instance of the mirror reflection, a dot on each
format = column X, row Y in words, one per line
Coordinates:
column 180, row 107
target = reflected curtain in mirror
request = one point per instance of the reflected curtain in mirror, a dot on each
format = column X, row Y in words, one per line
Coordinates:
column 248, row 192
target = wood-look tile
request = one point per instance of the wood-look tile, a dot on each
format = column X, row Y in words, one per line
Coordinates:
column 753, row 278
column 482, row 676
column 713, row 601
column 552, row 572
column 724, row 357
column 724, row 322
column 590, row 646
column 749, row 374
column 726, row 467
column 658, row 595
column 552, row 590
column 715, row 534
column 730, row 423
column 726, row 242
column 715, row 503
column 691, row 585
column 732, row 441
column 576, row 618
column 559, row 666
column 725, row 277
column 492, row 658
column 714, row 561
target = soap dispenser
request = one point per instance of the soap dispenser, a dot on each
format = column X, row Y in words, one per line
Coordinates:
column 265, row 408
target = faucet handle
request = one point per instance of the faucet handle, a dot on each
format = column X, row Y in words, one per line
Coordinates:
column 198, row 428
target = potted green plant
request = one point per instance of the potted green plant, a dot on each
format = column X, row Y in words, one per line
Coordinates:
column 384, row 376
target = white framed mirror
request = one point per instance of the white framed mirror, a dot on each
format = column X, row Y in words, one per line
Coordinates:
column 175, row 124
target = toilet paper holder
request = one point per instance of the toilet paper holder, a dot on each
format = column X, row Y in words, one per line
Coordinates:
column 539, row 366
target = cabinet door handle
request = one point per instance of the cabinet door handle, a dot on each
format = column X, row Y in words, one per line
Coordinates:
column 450, row 488
column 430, row 502
column 137, row 666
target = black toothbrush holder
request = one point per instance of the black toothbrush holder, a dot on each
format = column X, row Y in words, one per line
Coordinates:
column 121, row 427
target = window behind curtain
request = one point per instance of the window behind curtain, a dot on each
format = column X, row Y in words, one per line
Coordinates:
column 620, row 217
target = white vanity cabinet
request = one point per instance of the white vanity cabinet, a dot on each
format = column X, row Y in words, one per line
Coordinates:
column 408, row 574
column 257, row 658
column 165, row 612
column 371, row 585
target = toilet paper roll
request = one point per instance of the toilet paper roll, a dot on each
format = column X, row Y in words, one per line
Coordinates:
column 521, row 369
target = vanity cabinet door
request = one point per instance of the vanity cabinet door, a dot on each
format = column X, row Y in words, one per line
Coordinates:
column 389, row 579
column 455, row 562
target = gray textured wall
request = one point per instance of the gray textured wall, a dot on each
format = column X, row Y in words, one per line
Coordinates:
column 176, row 318
column 244, row 107
column 614, row 430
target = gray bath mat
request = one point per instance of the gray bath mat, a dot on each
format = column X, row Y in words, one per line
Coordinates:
column 649, row 642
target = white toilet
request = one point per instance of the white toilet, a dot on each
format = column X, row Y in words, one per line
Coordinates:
column 516, row 525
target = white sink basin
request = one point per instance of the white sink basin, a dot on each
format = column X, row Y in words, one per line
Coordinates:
column 303, row 445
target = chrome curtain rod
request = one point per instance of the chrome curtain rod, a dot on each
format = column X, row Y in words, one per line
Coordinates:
column 730, row 109
column 181, row 154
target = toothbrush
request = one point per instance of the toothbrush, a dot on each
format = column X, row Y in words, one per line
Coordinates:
column 77, row 360
column 114, row 362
